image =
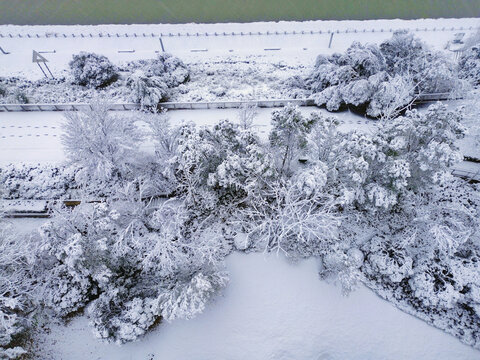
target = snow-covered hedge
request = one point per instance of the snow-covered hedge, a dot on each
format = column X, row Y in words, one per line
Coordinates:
column 37, row 181
column 92, row 70
column 382, row 78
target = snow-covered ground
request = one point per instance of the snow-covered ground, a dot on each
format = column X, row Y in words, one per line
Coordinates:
column 273, row 310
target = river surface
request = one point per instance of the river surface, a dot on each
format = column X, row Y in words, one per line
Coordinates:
column 52, row 12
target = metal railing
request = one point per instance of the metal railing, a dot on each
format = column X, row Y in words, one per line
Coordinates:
column 192, row 105
column 165, row 105
column 228, row 33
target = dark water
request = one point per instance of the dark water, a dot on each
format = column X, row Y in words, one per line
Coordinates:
column 24, row 12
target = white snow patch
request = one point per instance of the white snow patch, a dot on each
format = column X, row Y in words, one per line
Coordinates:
column 274, row 310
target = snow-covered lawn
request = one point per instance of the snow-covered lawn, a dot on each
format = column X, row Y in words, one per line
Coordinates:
column 272, row 310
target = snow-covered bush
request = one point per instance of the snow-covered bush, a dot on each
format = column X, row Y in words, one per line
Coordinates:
column 18, row 97
column 24, row 181
column 341, row 266
column 382, row 79
column 220, row 165
column 92, row 70
column 387, row 259
column 104, row 145
column 169, row 68
column 148, row 91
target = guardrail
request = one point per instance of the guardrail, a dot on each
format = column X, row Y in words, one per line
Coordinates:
column 165, row 105
column 193, row 105
column 233, row 33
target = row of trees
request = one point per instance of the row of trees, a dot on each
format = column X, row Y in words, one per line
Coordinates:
column 379, row 207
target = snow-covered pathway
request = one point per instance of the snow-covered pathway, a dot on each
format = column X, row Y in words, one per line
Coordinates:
column 274, row 310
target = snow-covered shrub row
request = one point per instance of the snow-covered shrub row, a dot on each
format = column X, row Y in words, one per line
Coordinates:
column 92, row 70
column 381, row 79
column 209, row 80
column 37, row 181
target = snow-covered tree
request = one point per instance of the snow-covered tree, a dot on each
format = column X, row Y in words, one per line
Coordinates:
column 220, row 165
column 103, row 144
column 92, row 70
column 246, row 115
column 382, row 80
column 12, row 292
column 284, row 218
column 469, row 64
column 18, row 284
column 288, row 134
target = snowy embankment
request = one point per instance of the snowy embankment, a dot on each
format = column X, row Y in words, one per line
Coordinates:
column 233, row 67
column 273, row 310
column 131, row 44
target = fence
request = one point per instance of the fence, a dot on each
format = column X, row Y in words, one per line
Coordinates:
column 192, row 105
column 165, row 105
column 233, row 33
